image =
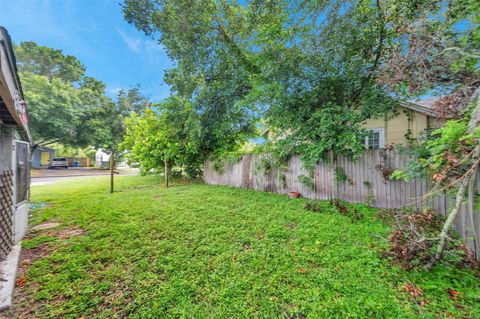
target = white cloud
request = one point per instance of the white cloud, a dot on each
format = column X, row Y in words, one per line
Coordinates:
column 153, row 46
column 132, row 43
column 155, row 51
column 112, row 90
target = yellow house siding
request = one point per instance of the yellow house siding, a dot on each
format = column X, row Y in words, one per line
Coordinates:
column 434, row 123
column 45, row 158
column 396, row 128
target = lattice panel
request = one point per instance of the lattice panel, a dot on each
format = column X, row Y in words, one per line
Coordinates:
column 6, row 212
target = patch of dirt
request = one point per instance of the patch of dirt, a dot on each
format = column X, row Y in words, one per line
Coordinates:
column 247, row 247
column 290, row 225
column 29, row 256
column 45, row 226
column 69, row 233
column 23, row 303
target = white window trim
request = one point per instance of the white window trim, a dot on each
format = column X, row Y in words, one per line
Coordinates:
column 381, row 135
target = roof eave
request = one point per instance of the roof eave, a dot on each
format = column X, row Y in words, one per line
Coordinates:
column 419, row 108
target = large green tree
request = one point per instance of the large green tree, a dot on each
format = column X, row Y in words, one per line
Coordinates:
column 63, row 104
column 164, row 136
column 294, row 64
column 52, row 63
column 216, row 64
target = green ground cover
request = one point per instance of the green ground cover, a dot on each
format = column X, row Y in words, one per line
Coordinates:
column 200, row 251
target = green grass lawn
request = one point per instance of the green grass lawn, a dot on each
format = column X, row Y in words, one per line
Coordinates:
column 200, row 251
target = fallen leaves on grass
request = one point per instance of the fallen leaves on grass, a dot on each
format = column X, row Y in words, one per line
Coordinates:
column 414, row 293
column 302, row 270
column 414, row 236
column 453, row 294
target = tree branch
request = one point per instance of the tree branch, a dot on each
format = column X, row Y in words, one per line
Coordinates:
column 378, row 52
column 460, row 51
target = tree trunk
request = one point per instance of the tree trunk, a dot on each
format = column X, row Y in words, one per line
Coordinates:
column 112, row 167
column 333, row 161
column 465, row 180
column 166, row 171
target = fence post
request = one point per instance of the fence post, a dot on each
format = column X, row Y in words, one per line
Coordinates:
column 470, row 210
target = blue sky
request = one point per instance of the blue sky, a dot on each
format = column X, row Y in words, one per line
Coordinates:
column 95, row 32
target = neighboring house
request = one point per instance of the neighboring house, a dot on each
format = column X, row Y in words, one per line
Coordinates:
column 101, row 158
column 14, row 167
column 41, row 156
column 412, row 119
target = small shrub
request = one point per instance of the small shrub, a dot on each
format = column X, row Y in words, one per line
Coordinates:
column 314, row 206
column 370, row 200
column 335, row 206
column 346, row 209
column 306, row 181
column 340, row 175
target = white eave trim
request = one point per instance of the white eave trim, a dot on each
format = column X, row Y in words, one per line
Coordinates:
column 419, row 108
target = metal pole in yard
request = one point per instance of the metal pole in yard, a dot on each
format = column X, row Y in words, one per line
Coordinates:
column 166, row 171
column 112, row 163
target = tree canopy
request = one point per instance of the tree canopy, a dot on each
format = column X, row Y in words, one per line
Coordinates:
column 314, row 71
column 63, row 103
column 52, row 63
column 167, row 132
column 114, row 116
column 67, row 106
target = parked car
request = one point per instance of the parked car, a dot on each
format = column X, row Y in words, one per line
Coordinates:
column 58, row 162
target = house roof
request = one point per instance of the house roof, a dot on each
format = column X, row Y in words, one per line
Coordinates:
column 425, row 106
column 11, row 93
column 44, row 148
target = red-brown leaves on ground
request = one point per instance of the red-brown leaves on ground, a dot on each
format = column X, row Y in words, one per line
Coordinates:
column 314, row 206
column 414, row 293
column 414, row 237
column 452, row 294
column 338, row 204
column 302, row 270
column 411, row 238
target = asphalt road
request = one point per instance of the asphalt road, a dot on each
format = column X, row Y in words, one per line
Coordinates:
column 50, row 180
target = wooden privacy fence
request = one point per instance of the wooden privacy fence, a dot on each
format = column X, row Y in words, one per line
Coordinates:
column 364, row 180
column 83, row 161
